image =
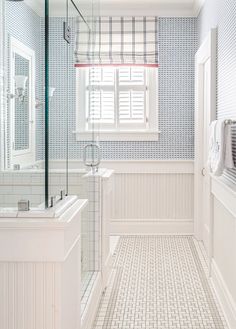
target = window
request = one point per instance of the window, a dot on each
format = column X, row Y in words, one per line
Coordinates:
column 117, row 100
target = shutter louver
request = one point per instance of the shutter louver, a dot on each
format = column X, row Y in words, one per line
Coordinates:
column 131, row 106
column 101, row 106
column 131, row 76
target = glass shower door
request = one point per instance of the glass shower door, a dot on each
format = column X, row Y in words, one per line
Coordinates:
column 72, row 160
column 90, row 158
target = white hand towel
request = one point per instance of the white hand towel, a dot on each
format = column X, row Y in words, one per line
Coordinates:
column 217, row 148
column 229, row 162
column 220, row 147
column 212, row 141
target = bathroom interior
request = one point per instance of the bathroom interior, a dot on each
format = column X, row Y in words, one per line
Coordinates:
column 117, row 164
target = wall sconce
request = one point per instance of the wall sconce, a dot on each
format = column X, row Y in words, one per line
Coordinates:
column 38, row 103
column 20, row 88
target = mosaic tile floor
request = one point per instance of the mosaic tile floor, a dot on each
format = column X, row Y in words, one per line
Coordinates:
column 159, row 283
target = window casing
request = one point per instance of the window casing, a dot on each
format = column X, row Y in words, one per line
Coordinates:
column 117, row 99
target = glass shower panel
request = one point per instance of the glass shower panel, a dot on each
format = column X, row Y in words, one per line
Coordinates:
column 67, row 153
column 91, row 222
column 22, row 110
column 57, row 88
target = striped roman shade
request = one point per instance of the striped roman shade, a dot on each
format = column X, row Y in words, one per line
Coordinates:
column 118, row 41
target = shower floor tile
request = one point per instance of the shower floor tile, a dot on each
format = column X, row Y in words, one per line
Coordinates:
column 159, row 282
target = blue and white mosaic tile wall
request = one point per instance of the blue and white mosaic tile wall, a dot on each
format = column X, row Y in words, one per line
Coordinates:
column 178, row 44
column 25, row 25
column 222, row 14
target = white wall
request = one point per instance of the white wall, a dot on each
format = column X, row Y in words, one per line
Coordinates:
column 224, row 246
column 221, row 14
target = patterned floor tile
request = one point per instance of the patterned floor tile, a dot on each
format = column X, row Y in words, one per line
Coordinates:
column 159, row 282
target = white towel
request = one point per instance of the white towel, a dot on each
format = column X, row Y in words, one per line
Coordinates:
column 229, row 162
column 220, row 147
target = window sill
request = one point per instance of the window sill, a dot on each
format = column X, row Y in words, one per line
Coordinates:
column 111, row 135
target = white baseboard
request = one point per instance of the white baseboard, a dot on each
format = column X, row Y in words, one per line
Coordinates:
column 151, row 226
column 206, row 238
column 92, row 304
column 100, row 284
column 106, row 274
column 224, row 297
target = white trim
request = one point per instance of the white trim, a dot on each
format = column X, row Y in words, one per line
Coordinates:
column 26, row 156
column 137, row 135
column 151, row 227
column 206, row 51
column 38, row 7
column 103, row 133
column 225, row 192
column 127, row 166
column 224, row 296
column 90, row 311
column 198, row 4
column 116, row 9
column 150, row 166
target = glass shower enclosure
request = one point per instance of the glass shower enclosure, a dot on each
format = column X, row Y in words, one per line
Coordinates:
column 42, row 159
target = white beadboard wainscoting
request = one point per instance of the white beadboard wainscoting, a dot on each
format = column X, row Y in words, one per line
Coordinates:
column 223, row 240
column 29, row 290
column 152, row 197
column 40, row 268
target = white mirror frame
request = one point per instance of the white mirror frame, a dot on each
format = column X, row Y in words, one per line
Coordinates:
column 27, row 156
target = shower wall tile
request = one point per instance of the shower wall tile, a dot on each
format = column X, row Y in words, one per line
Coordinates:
column 25, row 25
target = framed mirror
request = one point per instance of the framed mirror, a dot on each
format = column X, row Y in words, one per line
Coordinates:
column 22, row 103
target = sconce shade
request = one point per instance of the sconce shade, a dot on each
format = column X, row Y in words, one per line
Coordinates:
column 20, row 81
column 51, row 91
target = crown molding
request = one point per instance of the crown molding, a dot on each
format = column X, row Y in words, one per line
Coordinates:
column 115, row 9
column 141, row 9
column 198, row 4
column 36, row 6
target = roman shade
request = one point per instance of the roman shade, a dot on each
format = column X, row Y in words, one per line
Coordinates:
column 117, row 41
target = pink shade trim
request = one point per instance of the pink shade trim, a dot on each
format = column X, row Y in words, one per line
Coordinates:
column 91, row 65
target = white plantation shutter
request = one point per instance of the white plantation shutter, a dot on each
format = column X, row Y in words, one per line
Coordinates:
column 117, row 97
column 132, row 95
column 101, row 109
column 132, row 106
column 101, row 76
column 131, row 76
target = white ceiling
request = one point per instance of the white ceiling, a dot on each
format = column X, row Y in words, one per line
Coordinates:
column 173, row 8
